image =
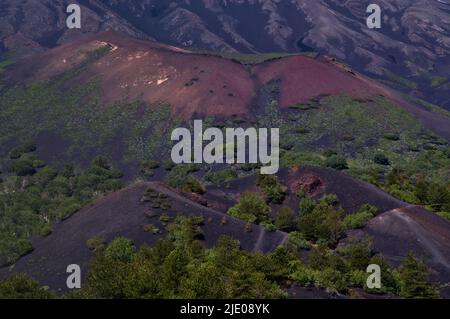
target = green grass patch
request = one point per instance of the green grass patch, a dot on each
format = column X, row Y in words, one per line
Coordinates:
column 396, row 79
column 253, row 59
column 4, row 64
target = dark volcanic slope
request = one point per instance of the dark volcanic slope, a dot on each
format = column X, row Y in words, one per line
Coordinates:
column 123, row 214
column 412, row 229
column 352, row 193
column 316, row 181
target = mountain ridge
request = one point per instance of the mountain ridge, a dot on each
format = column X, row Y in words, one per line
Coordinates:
column 410, row 52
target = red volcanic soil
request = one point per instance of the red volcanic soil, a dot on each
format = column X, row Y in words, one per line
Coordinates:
column 304, row 78
column 123, row 214
column 192, row 83
column 411, row 229
column 204, row 85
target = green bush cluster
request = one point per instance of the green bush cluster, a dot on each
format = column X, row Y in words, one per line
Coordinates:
column 273, row 190
column 343, row 270
column 251, row 208
column 30, row 203
column 181, row 267
column 179, row 174
column 321, row 221
column 148, row 167
column 156, row 199
column 360, row 219
column 433, row 195
column 221, row 176
column 286, row 219
column 337, row 162
column 192, row 185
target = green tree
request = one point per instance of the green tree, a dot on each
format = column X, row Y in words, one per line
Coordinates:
column 439, row 197
column 358, row 254
column 413, row 277
column 185, row 232
column 337, row 162
column 381, row 159
column 307, row 205
column 251, row 208
column 192, row 185
column 286, row 219
column 271, row 187
column 324, row 223
column 120, row 249
column 421, row 191
column 360, row 219
column 173, row 272
column 20, row 286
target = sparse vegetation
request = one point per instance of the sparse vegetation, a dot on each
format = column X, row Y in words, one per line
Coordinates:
column 398, row 80
column 360, row 219
column 274, row 192
column 164, row 218
column 192, row 185
column 95, row 243
column 337, row 162
column 221, row 176
column 150, row 228
column 4, row 64
column 31, row 199
column 179, row 175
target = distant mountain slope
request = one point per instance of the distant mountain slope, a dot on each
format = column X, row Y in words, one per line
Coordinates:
column 34, row 25
column 411, row 51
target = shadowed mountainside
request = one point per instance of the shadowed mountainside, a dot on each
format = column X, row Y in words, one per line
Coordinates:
column 410, row 51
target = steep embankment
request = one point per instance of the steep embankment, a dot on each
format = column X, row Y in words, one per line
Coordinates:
column 397, row 232
column 124, row 214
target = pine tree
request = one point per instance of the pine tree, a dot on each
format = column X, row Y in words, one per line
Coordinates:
column 413, row 276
